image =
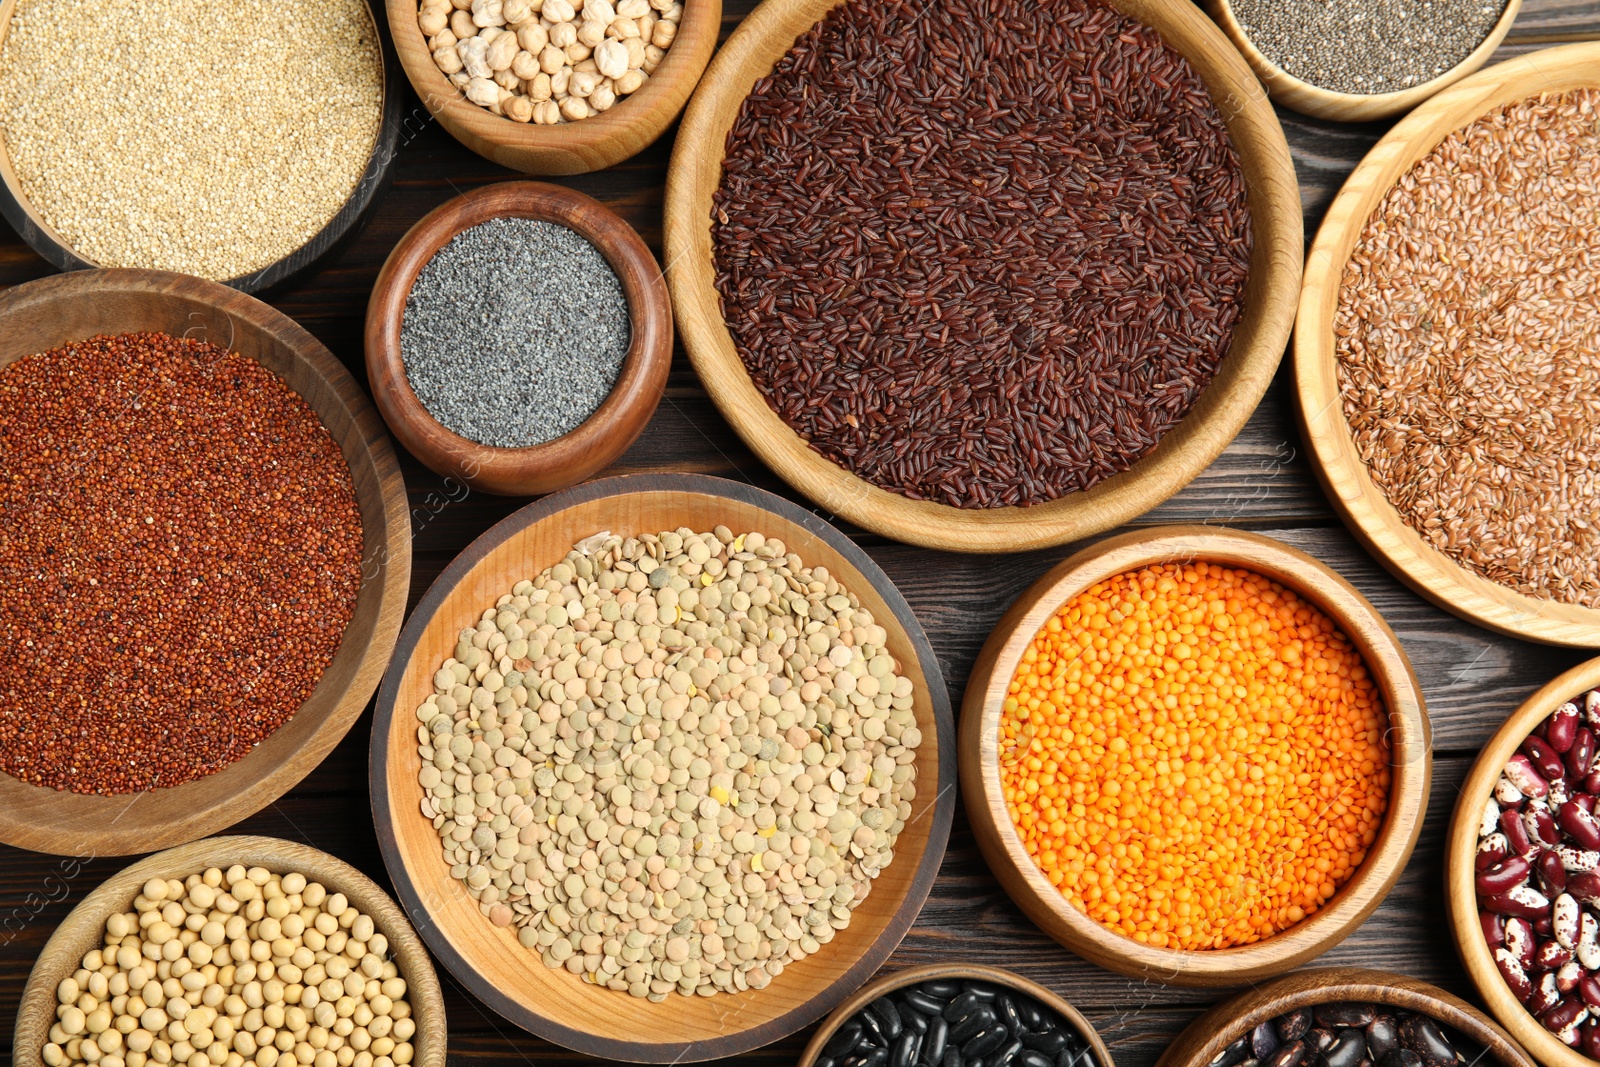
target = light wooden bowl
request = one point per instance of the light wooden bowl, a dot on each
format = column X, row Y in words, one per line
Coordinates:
column 930, row 972
column 1409, row 739
column 1461, row 849
column 488, row 960
column 1365, row 509
column 43, row 239
column 1263, row 331
column 85, row 929
column 1308, row 99
column 602, row 437
column 596, row 142
column 52, row 311
column 1214, row 1031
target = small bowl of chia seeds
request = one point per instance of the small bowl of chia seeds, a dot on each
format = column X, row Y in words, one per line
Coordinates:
column 518, row 338
column 955, row 1014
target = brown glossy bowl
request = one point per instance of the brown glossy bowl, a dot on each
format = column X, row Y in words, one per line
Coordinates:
column 1461, row 849
column 85, row 928
column 1409, row 739
column 596, row 142
column 601, row 438
column 959, row 971
column 1214, row 1031
column 53, row 311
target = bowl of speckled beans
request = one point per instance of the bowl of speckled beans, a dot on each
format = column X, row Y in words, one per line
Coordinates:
column 518, row 338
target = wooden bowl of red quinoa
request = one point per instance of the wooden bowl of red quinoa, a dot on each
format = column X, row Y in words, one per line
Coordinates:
column 52, row 312
column 1172, row 456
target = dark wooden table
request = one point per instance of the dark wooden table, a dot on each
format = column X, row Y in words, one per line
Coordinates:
column 1472, row 678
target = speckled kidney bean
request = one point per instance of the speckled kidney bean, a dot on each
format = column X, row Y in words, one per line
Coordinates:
column 1345, row 1034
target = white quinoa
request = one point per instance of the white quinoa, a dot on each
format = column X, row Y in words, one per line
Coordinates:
column 212, row 140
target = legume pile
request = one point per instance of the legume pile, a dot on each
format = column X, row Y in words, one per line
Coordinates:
column 982, row 283
column 152, row 133
column 1468, row 345
column 1195, row 756
column 1367, row 46
column 515, row 332
column 1346, row 1034
column 183, row 505
column 225, row 968
column 674, row 762
column 951, row 1023
column 549, row 61
column 1537, row 873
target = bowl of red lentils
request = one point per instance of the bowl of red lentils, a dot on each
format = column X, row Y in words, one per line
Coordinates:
column 204, row 558
column 1195, row 756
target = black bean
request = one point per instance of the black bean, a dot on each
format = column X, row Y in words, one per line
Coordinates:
column 1009, row 1015
column 933, row 1044
column 1340, row 1013
column 1383, row 1036
column 877, row 1057
column 1236, row 1052
column 825, row 1061
column 988, row 1041
column 1075, row 1057
column 888, row 1017
column 941, row 988
column 962, row 1006
column 1347, row 1050
column 1288, row 1055
column 1050, row 1042
column 905, row 1050
column 917, row 1000
column 1033, row 1017
column 1008, row 1055
column 952, row 1058
column 981, row 990
column 1422, row 1035
column 871, row 1028
column 1030, row 1058
column 843, row 1040
column 965, row 1028
column 1263, row 1041
column 1293, row 1026
column 915, row 1022
column 1401, row 1057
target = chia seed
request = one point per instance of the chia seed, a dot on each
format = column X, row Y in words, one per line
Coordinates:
column 515, row 332
column 1367, row 47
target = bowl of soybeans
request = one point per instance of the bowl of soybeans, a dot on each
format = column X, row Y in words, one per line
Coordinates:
column 664, row 768
column 1195, row 756
column 263, row 950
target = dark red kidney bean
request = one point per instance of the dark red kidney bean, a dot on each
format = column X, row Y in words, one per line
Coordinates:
column 1580, row 756
column 1562, row 727
column 1530, row 905
column 1550, row 956
column 1552, row 873
column 1585, row 885
column 1383, row 1035
column 1580, row 826
column 1422, row 1035
column 1591, row 784
column 1502, row 877
column 1562, row 1014
column 1589, row 989
column 1546, row 760
column 1543, row 926
column 1517, row 979
column 1516, row 833
column 1494, row 928
column 1585, row 801
column 1541, row 827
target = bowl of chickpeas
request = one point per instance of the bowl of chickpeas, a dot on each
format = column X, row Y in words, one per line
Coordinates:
column 233, row 951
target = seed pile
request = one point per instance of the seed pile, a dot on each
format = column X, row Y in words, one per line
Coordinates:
column 1468, row 345
column 549, row 61
column 950, row 1023
column 153, row 133
column 1194, row 756
column 1537, row 874
column 1345, row 1034
column 231, row 967
column 515, row 332
column 1367, row 46
column 982, row 283
column 672, row 761
column 186, row 507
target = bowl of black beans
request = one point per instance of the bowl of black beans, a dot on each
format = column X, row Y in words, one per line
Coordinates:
column 1344, row 1017
column 955, row 1015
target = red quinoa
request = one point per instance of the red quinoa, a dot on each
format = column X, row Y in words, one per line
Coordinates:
column 983, row 252
column 180, row 551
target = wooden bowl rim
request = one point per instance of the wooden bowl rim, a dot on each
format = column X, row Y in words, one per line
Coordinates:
column 121, row 836
column 651, row 108
column 1461, row 846
column 1311, row 99
column 88, row 917
column 649, row 347
column 39, row 235
column 1361, row 504
column 387, row 712
column 958, row 969
column 1236, row 1016
column 1386, row 662
column 1184, row 451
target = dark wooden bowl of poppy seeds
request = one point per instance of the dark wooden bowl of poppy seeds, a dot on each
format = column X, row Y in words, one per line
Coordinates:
column 983, row 306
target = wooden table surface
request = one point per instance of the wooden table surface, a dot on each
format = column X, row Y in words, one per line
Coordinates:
column 1472, row 678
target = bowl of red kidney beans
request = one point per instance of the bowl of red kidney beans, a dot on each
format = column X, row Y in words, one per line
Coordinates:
column 1523, row 867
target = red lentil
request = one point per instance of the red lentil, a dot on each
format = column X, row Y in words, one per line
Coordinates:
column 180, row 552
